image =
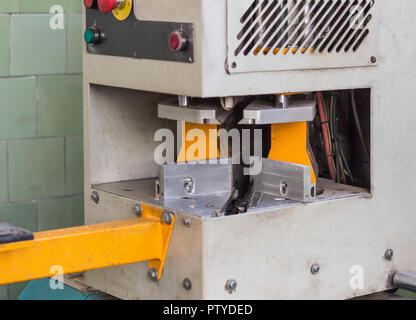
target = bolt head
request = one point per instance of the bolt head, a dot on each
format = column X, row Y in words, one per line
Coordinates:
column 187, row 222
column 167, row 217
column 152, row 274
column 315, row 269
column 373, row 59
column 137, row 209
column 388, row 255
column 187, row 284
column 95, row 197
column 231, row 286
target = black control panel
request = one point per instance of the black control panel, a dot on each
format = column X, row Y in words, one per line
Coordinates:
column 157, row 40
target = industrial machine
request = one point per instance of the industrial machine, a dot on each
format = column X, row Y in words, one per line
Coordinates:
column 243, row 149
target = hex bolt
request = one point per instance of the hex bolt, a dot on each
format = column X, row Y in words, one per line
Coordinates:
column 95, row 197
column 152, row 274
column 231, row 286
column 188, row 184
column 187, row 222
column 315, row 269
column 137, row 209
column 388, row 255
column 167, row 217
column 187, row 284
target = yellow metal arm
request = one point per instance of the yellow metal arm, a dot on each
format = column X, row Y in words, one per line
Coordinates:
column 89, row 247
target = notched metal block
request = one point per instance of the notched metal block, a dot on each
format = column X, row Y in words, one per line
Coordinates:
column 285, row 180
column 192, row 180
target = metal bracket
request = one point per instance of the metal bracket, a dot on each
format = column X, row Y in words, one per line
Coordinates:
column 264, row 112
column 89, row 247
column 285, row 180
column 192, row 180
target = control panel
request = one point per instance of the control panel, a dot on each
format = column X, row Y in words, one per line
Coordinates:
column 112, row 29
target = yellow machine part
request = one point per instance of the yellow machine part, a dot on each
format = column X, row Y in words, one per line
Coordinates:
column 123, row 13
column 88, row 247
column 196, row 142
column 289, row 144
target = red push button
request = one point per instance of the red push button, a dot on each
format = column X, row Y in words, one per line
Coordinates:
column 106, row 6
column 177, row 41
column 90, row 3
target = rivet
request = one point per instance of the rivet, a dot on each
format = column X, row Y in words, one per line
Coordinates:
column 95, row 197
column 152, row 274
column 388, row 255
column 187, row 284
column 315, row 269
column 137, row 209
column 231, row 286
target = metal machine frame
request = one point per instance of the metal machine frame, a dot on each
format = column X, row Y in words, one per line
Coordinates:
column 268, row 252
column 279, row 248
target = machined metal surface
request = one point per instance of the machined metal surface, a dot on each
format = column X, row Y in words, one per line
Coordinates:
column 206, row 206
column 144, row 191
column 192, row 180
column 138, row 39
column 265, row 112
column 285, row 180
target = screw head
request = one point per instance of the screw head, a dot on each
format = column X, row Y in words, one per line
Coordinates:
column 167, row 217
column 283, row 188
column 315, row 269
column 95, row 197
column 388, row 255
column 231, row 286
column 188, row 184
column 137, row 210
column 187, row 284
column 373, row 59
column 152, row 274
column 187, row 222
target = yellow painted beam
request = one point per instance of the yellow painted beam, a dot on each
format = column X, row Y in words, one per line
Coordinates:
column 88, row 247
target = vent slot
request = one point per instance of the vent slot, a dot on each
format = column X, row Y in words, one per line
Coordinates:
column 313, row 27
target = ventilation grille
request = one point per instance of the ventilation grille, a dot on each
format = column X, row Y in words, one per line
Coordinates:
column 277, row 28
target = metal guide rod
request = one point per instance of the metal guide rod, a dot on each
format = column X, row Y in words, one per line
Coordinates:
column 405, row 280
column 89, row 247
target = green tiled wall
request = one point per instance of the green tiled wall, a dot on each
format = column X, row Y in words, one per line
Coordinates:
column 41, row 144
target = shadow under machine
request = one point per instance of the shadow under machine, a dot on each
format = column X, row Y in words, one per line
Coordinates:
column 253, row 141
